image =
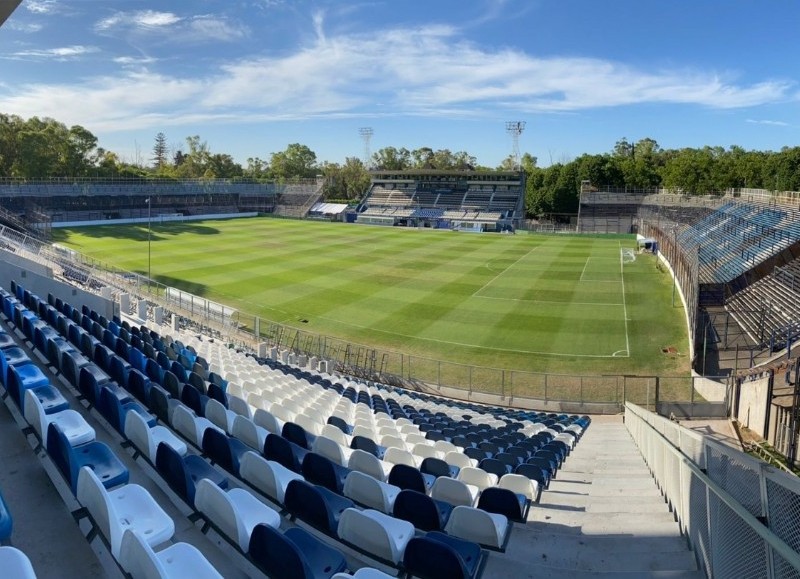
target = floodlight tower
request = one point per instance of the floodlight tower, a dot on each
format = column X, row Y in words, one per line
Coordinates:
column 366, row 135
column 515, row 128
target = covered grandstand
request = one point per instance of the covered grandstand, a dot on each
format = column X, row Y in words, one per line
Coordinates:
column 464, row 200
column 53, row 202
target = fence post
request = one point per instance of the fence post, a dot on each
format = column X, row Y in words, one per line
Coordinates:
column 470, row 379
column 503, row 383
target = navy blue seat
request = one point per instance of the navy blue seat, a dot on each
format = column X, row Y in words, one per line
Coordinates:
column 91, row 379
column 521, row 454
column 216, row 392
column 224, row 450
column 96, row 455
column 121, row 349
column 158, row 403
column 340, row 424
column 284, row 452
column 495, row 466
column 298, row 435
column 368, row 445
column 315, row 505
column 476, row 453
column 75, row 334
column 138, row 385
column 408, row 477
column 322, row 471
column 535, row 472
column 197, row 381
column 293, row 554
column 115, row 403
column 194, row 399
column 436, row 555
column 504, row 502
column 508, row 459
column 437, row 467
column 118, row 369
column 88, row 344
column 422, row 511
column 56, row 348
column 172, row 385
column 552, row 456
column 182, row 473
column 179, row 371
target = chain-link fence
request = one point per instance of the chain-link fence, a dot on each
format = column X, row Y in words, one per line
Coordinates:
column 739, row 514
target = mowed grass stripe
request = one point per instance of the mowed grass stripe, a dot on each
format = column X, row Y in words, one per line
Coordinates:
column 413, row 291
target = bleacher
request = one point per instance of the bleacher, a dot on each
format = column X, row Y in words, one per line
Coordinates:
column 443, row 199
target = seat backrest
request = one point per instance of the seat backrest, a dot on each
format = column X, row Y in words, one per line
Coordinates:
column 519, row 484
column 494, row 466
column 425, row 557
column 295, row 433
column 407, row 477
column 245, row 430
column 111, row 408
column 183, row 421
column 306, row 502
column 217, row 446
column 478, row 477
column 275, row 555
column 264, row 475
column 138, row 432
column 267, row 420
column 334, row 433
column 138, row 559
column 330, row 449
column 158, row 403
column 60, row 451
column 92, row 495
column 418, row 509
column 452, row 491
column 500, row 501
column 33, row 411
column 364, row 489
column 435, row 466
column 367, row 463
column 215, row 504
column 366, row 444
column 172, row 468
column 399, row 456
column 217, row 413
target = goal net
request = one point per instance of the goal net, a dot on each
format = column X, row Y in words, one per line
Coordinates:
column 627, row 255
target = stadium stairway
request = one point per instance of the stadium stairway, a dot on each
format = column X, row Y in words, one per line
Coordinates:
column 603, row 516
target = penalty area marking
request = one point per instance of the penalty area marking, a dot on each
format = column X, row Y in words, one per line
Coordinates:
column 488, row 283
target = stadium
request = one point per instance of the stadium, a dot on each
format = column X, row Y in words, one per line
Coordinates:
column 240, row 378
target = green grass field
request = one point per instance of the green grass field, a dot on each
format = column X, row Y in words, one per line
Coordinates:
column 550, row 303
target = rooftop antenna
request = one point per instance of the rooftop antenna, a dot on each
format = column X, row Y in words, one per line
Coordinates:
column 515, row 128
column 366, row 135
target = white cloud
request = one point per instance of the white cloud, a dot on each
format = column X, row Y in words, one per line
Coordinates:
column 41, row 6
column 59, row 53
column 134, row 60
column 21, row 27
column 173, row 28
column 422, row 71
column 768, row 122
column 143, row 19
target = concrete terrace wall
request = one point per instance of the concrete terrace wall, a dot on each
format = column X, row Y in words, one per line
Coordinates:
column 154, row 219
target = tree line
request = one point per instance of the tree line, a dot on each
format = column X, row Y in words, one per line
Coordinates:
column 41, row 148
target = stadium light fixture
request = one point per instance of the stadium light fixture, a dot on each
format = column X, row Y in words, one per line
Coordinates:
column 366, row 135
column 515, row 128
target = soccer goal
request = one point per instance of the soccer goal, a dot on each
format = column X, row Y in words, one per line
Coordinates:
column 627, row 255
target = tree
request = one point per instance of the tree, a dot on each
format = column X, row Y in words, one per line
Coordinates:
column 160, row 152
column 296, row 162
column 391, row 159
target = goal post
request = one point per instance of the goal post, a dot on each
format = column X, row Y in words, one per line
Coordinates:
column 627, row 255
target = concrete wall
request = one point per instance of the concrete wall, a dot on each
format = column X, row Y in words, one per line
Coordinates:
column 30, row 276
column 753, row 405
column 711, row 390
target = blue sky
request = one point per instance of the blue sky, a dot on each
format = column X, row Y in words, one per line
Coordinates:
column 251, row 76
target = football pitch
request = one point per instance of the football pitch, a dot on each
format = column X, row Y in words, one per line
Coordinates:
column 550, row 303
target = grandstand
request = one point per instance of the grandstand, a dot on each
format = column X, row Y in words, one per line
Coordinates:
column 38, row 205
column 738, row 250
column 468, row 200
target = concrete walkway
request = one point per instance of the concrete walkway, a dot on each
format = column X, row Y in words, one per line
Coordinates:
column 602, row 516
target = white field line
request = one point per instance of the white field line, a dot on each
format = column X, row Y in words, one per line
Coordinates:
column 547, row 302
column 488, row 283
column 624, row 303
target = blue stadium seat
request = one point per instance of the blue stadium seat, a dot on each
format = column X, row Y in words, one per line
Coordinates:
column 182, row 472
column 436, row 555
column 284, row 452
column 23, row 377
column 315, row 505
column 6, row 522
column 408, row 477
column 96, row 455
column 11, row 356
column 294, row 554
column 504, row 502
column 422, row 511
column 298, row 435
column 322, row 471
column 224, row 450
column 115, row 403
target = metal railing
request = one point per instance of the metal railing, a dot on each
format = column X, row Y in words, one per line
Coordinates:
column 740, row 515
